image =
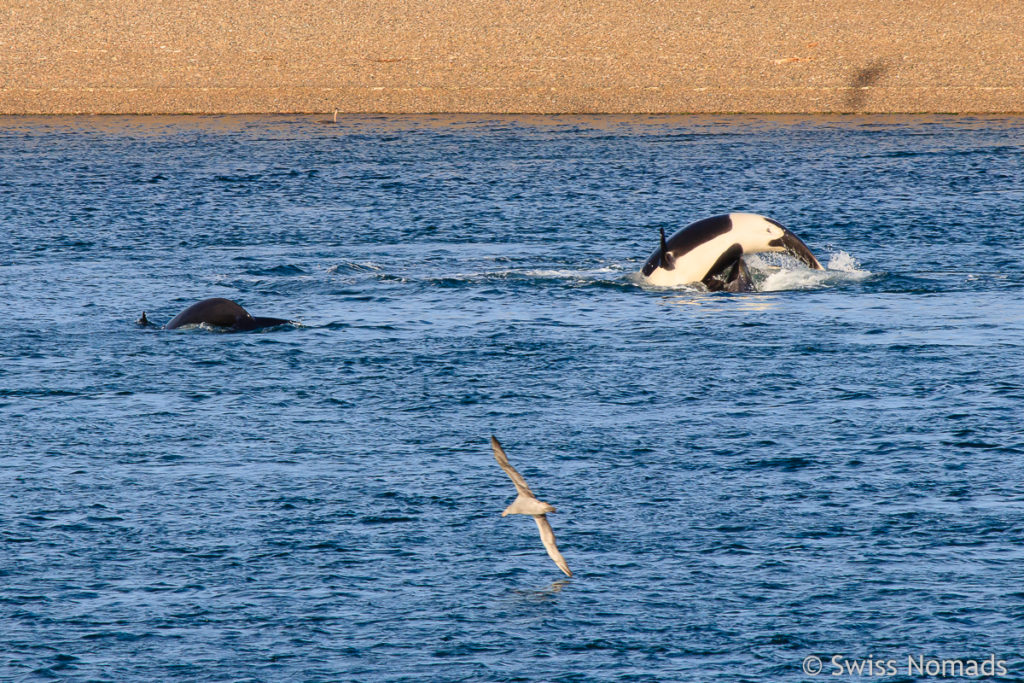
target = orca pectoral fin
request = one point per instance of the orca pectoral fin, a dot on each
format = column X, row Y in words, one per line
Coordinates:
column 667, row 261
column 661, row 258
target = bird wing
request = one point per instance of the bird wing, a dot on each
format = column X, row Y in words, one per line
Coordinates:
column 548, row 537
column 517, row 479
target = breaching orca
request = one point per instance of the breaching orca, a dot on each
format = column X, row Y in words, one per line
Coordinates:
column 711, row 251
column 219, row 313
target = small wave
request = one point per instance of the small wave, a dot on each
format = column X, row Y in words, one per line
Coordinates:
column 284, row 269
column 32, row 393
column 354, row 267
column 237, row 178
column 565, row 274
column 386, row 519
column 786, row 464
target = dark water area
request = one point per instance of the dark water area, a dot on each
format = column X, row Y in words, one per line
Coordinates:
column 831, row 466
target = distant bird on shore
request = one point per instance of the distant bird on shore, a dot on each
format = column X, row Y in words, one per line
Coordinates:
column 527, row 504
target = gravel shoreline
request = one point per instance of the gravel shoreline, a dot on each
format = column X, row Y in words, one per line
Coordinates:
column 782, row 56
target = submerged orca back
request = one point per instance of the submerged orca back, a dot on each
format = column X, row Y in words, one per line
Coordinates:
column 221, row 313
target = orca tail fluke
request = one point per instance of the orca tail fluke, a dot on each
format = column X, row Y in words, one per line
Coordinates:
column 796, row 247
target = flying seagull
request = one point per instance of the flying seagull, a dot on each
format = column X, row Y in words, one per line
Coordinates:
column 527, row 504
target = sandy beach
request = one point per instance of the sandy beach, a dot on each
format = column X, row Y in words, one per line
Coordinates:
column 541, row 56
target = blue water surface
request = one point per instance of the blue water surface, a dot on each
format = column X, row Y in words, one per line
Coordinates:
column 829, row 467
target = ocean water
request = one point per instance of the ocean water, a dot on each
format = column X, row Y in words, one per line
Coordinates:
column 830, row 467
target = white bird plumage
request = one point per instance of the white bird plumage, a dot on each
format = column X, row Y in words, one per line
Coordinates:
column 527, row 504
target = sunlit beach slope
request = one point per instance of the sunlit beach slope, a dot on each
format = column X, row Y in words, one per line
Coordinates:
column 540, row 56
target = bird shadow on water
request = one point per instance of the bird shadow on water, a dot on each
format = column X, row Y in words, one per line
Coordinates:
column 542, row 594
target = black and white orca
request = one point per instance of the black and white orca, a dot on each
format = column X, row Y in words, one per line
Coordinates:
column 711, row 251
column 218, row 313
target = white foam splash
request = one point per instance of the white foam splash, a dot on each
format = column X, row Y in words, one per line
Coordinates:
column 843, row 262
column 781, row 274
